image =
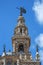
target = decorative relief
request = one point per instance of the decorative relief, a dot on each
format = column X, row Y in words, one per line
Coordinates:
column 34, row 63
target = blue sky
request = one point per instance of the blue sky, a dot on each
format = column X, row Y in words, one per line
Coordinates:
column 33, row 20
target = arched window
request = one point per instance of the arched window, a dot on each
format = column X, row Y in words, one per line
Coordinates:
column 21, row 21
column 21, row 30
column 21, row 48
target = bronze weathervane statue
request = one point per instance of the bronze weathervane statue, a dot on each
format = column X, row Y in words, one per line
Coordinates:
column 22, row 10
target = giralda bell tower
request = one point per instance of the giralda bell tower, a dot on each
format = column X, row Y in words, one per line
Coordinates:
column 21, row 40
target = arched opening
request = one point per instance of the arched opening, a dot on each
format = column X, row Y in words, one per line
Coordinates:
column 21, row 30
column 21, row 48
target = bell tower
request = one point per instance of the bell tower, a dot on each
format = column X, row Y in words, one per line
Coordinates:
column 21, row 40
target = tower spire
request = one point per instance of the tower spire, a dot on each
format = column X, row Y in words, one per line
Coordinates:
column 37, row 53
column 4, row 51
column 4, row 48
column 37, row 48
column 21, row 29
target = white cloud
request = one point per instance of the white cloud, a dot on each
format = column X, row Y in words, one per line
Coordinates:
column 39, row 40
column 38, row 9
column 41, row 55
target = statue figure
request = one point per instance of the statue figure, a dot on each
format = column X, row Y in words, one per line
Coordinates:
column 22, row 10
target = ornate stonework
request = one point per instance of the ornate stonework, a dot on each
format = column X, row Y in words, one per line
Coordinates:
column 20, row 44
